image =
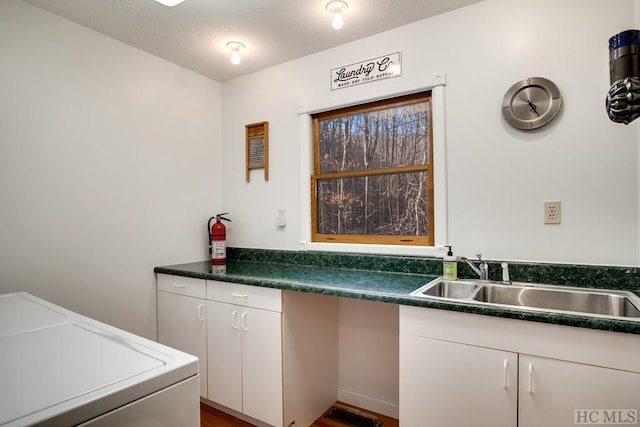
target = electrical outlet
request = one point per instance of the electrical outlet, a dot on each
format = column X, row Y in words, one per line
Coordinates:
column 552, row 212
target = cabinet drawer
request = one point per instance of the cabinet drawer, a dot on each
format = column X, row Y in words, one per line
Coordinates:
column 245, row 295
column 182, row 285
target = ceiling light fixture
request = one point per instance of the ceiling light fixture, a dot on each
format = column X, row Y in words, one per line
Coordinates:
column 170, row 2
column 336, row 7
column 235, row 47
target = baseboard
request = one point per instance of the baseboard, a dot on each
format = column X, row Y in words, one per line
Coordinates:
column 384, row 407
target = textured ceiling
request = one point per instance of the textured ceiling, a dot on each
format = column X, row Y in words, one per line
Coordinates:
column 193, row 34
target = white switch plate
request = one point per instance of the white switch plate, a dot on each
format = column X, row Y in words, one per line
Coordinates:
column 552, row 212
column 282, row 218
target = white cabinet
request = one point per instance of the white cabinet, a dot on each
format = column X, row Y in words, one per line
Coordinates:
column 225, row 355
column 244, row 342
column 244, row 337
column 182, row 319
column 464, row 369
column 262, row 392
column 453, row 384
column 553, row 390
column 485, row 382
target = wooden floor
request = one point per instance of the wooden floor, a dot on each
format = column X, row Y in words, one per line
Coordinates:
column 210, row 417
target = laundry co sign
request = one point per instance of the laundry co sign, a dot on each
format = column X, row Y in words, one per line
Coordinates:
column 383, row 67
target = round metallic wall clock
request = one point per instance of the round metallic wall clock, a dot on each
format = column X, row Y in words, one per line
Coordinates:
column 531, row 103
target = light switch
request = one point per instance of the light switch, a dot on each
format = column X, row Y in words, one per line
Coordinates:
column 282, row 218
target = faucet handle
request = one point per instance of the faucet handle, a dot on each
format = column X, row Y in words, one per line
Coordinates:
column 505, row 273
column 483, row 267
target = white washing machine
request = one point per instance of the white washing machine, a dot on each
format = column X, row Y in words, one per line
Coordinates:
column 58, row 368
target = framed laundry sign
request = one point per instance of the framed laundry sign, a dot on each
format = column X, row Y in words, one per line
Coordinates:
column 371, row 70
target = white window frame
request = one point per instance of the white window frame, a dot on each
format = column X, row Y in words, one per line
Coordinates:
column 437, row 87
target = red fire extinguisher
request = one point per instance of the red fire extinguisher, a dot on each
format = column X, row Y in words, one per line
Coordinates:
column 218, row 239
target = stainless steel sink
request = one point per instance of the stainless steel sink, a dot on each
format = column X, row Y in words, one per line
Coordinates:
column 609, row 303
column 454, row 289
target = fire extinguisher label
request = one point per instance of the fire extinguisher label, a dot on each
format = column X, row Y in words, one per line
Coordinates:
column 219, row 249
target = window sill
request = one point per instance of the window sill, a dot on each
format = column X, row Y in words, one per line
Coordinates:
column 407, row 250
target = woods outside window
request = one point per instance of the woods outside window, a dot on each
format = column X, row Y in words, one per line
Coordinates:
column 373, row 173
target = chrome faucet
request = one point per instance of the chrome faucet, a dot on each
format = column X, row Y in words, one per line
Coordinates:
column 482, row 270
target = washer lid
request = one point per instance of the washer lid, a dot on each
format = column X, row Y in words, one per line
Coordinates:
column 75, row 368
column 50, row 366
column 20, row 312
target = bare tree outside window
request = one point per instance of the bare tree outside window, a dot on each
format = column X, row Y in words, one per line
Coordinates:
column 373, row 175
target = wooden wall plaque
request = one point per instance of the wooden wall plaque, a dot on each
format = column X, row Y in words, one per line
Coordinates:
column 257, row 146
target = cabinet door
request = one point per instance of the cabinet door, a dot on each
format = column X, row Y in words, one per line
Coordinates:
column 262, row 365
column 447, row 384
column 551, row 391
column 224, row 351
column 182, row 325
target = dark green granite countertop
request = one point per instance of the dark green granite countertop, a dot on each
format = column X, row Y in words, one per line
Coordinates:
column 371, row 285
column 392, row 285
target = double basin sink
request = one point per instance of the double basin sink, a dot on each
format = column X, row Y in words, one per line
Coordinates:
column 585, row 301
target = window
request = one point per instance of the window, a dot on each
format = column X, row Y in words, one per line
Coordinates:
column 373, row 173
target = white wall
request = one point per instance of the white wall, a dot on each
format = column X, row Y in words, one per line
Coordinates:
column 369, row 355
column 109, row 166
column 498, row 177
